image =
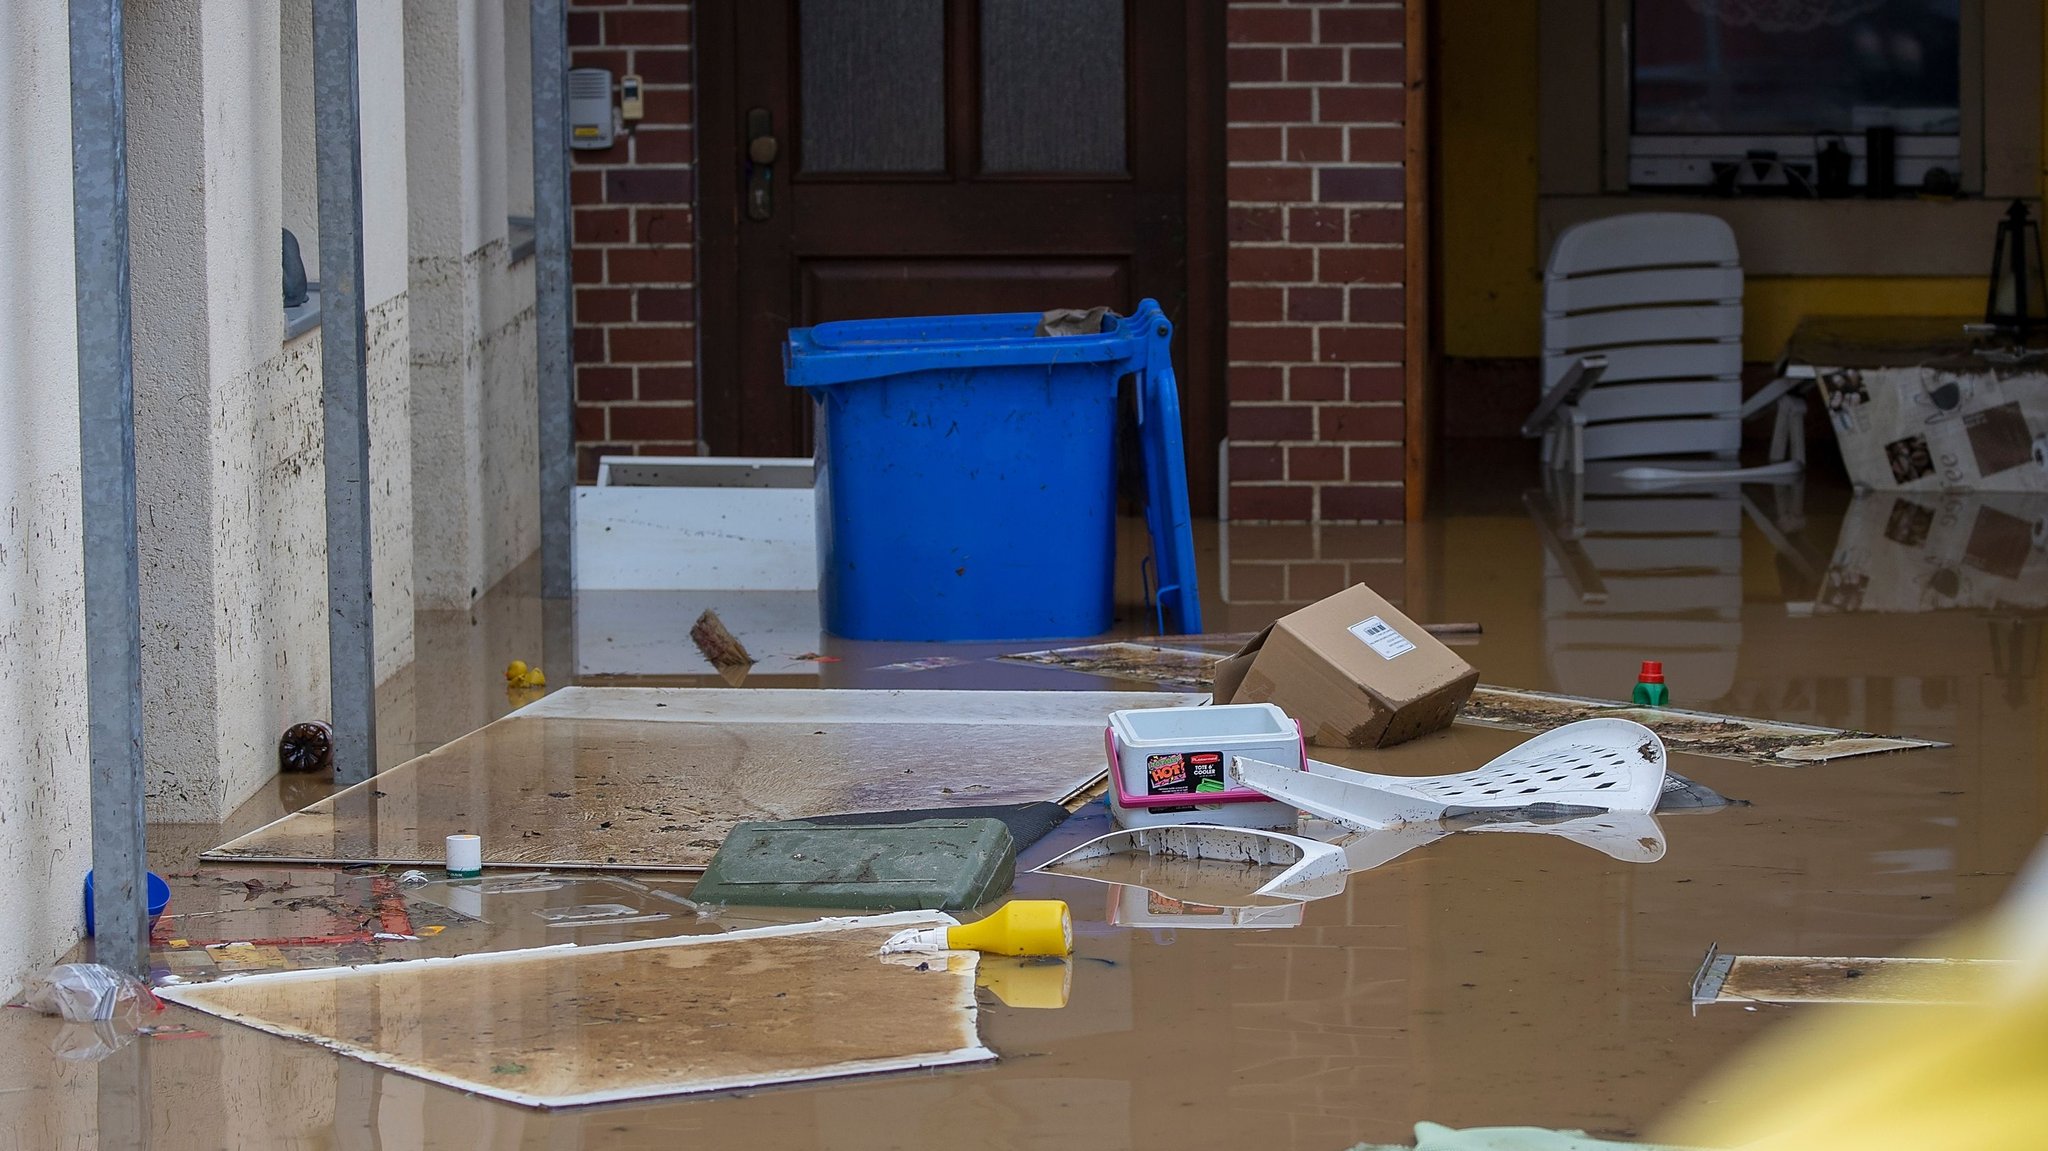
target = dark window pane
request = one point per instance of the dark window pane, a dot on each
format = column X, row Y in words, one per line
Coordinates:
column 1052, row 85
column 873, row 85
column 1762, row 67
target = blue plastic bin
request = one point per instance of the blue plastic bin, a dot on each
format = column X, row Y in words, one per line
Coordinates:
column 157, row 891
column 966, row 472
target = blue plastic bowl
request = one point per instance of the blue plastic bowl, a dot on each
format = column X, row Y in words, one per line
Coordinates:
column 159, row 898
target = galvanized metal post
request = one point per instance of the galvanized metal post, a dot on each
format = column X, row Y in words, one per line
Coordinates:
column 106, row 457
column 552, row 305
column 344, row 391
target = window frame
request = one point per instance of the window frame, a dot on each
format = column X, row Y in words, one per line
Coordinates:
column 1914, row 151
column 1584, row 137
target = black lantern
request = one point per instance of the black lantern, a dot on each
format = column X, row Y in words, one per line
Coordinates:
column 2019, row 293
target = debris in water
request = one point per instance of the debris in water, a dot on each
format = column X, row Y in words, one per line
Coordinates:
column 856, row 1015
column 928, row 663
column 721, row 647
column 306, row 746
column 1682, row 794
column 1795, row 979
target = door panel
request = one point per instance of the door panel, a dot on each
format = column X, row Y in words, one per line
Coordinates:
column 945, row 156
column 1009, row 219
column 872, row 289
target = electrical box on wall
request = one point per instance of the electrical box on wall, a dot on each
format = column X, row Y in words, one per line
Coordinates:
column 631, row 109
column 590, row 108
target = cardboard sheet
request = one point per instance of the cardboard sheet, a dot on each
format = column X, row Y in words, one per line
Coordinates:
column 654, row 778
column 1189, row 664
column 1181, row 664
column 1844, row 979
column 566, row 1026
column 1695, row 732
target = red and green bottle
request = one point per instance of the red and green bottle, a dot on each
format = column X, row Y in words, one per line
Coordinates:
column 1650, row 685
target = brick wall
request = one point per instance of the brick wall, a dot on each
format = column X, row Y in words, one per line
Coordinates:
column 635, row 242
column 1315, row 225
column 1316, row 263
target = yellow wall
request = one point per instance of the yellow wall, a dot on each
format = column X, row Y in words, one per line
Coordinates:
column 1492, row 293
column 1492, row 287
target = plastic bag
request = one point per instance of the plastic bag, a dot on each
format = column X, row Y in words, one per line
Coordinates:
column 89, row 1042
column 89, row 992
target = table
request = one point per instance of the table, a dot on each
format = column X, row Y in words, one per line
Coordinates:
column 1924, row 403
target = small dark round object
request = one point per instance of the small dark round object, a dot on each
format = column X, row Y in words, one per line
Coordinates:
column 306, row 747
column 1939, row 182
column 1161, row 330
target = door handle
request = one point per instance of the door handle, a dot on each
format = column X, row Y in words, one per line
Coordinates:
column 762, row 149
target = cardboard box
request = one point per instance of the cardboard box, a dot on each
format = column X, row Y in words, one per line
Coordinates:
column 1353, row 670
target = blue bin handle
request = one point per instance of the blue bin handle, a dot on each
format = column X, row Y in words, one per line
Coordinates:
column 1168, row 516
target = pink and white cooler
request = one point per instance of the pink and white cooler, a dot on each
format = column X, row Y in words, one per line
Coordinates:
column 1167, row 765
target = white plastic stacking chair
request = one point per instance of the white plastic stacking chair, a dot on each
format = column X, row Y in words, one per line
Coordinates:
column 1642, row 344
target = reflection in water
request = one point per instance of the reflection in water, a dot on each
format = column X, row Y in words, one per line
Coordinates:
column 1630, row 837
column 1274, row 864
column 1981, row 552
column 1936, row 551
column 1626, row 836
column 1632, row 574
column 1636, row 571
column 1132, row 906
column 1041, row 982
column 1162, row 890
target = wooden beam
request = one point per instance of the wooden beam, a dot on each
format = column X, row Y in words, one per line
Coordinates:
column 1419, row 392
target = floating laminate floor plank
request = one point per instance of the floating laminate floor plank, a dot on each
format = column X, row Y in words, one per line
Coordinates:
column 565, row 1026
column 654, row 778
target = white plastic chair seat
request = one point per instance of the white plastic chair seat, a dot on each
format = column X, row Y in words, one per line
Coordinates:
column 1651, row 305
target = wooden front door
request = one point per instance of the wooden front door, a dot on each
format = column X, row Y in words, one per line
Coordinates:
column 871, row 158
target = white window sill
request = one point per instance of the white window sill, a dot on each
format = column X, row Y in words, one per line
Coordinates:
column 304, row 318
column 519, row 233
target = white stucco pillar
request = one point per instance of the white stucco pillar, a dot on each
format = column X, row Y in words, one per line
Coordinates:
column 473, row 416
column 229, row 468
column 45, row 816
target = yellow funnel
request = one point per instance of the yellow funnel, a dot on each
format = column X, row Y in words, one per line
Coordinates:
column 1019, row 927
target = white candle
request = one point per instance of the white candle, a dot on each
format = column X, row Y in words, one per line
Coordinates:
column 465, row 856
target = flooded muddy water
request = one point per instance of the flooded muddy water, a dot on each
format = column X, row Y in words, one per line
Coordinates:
column 1478, row 979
